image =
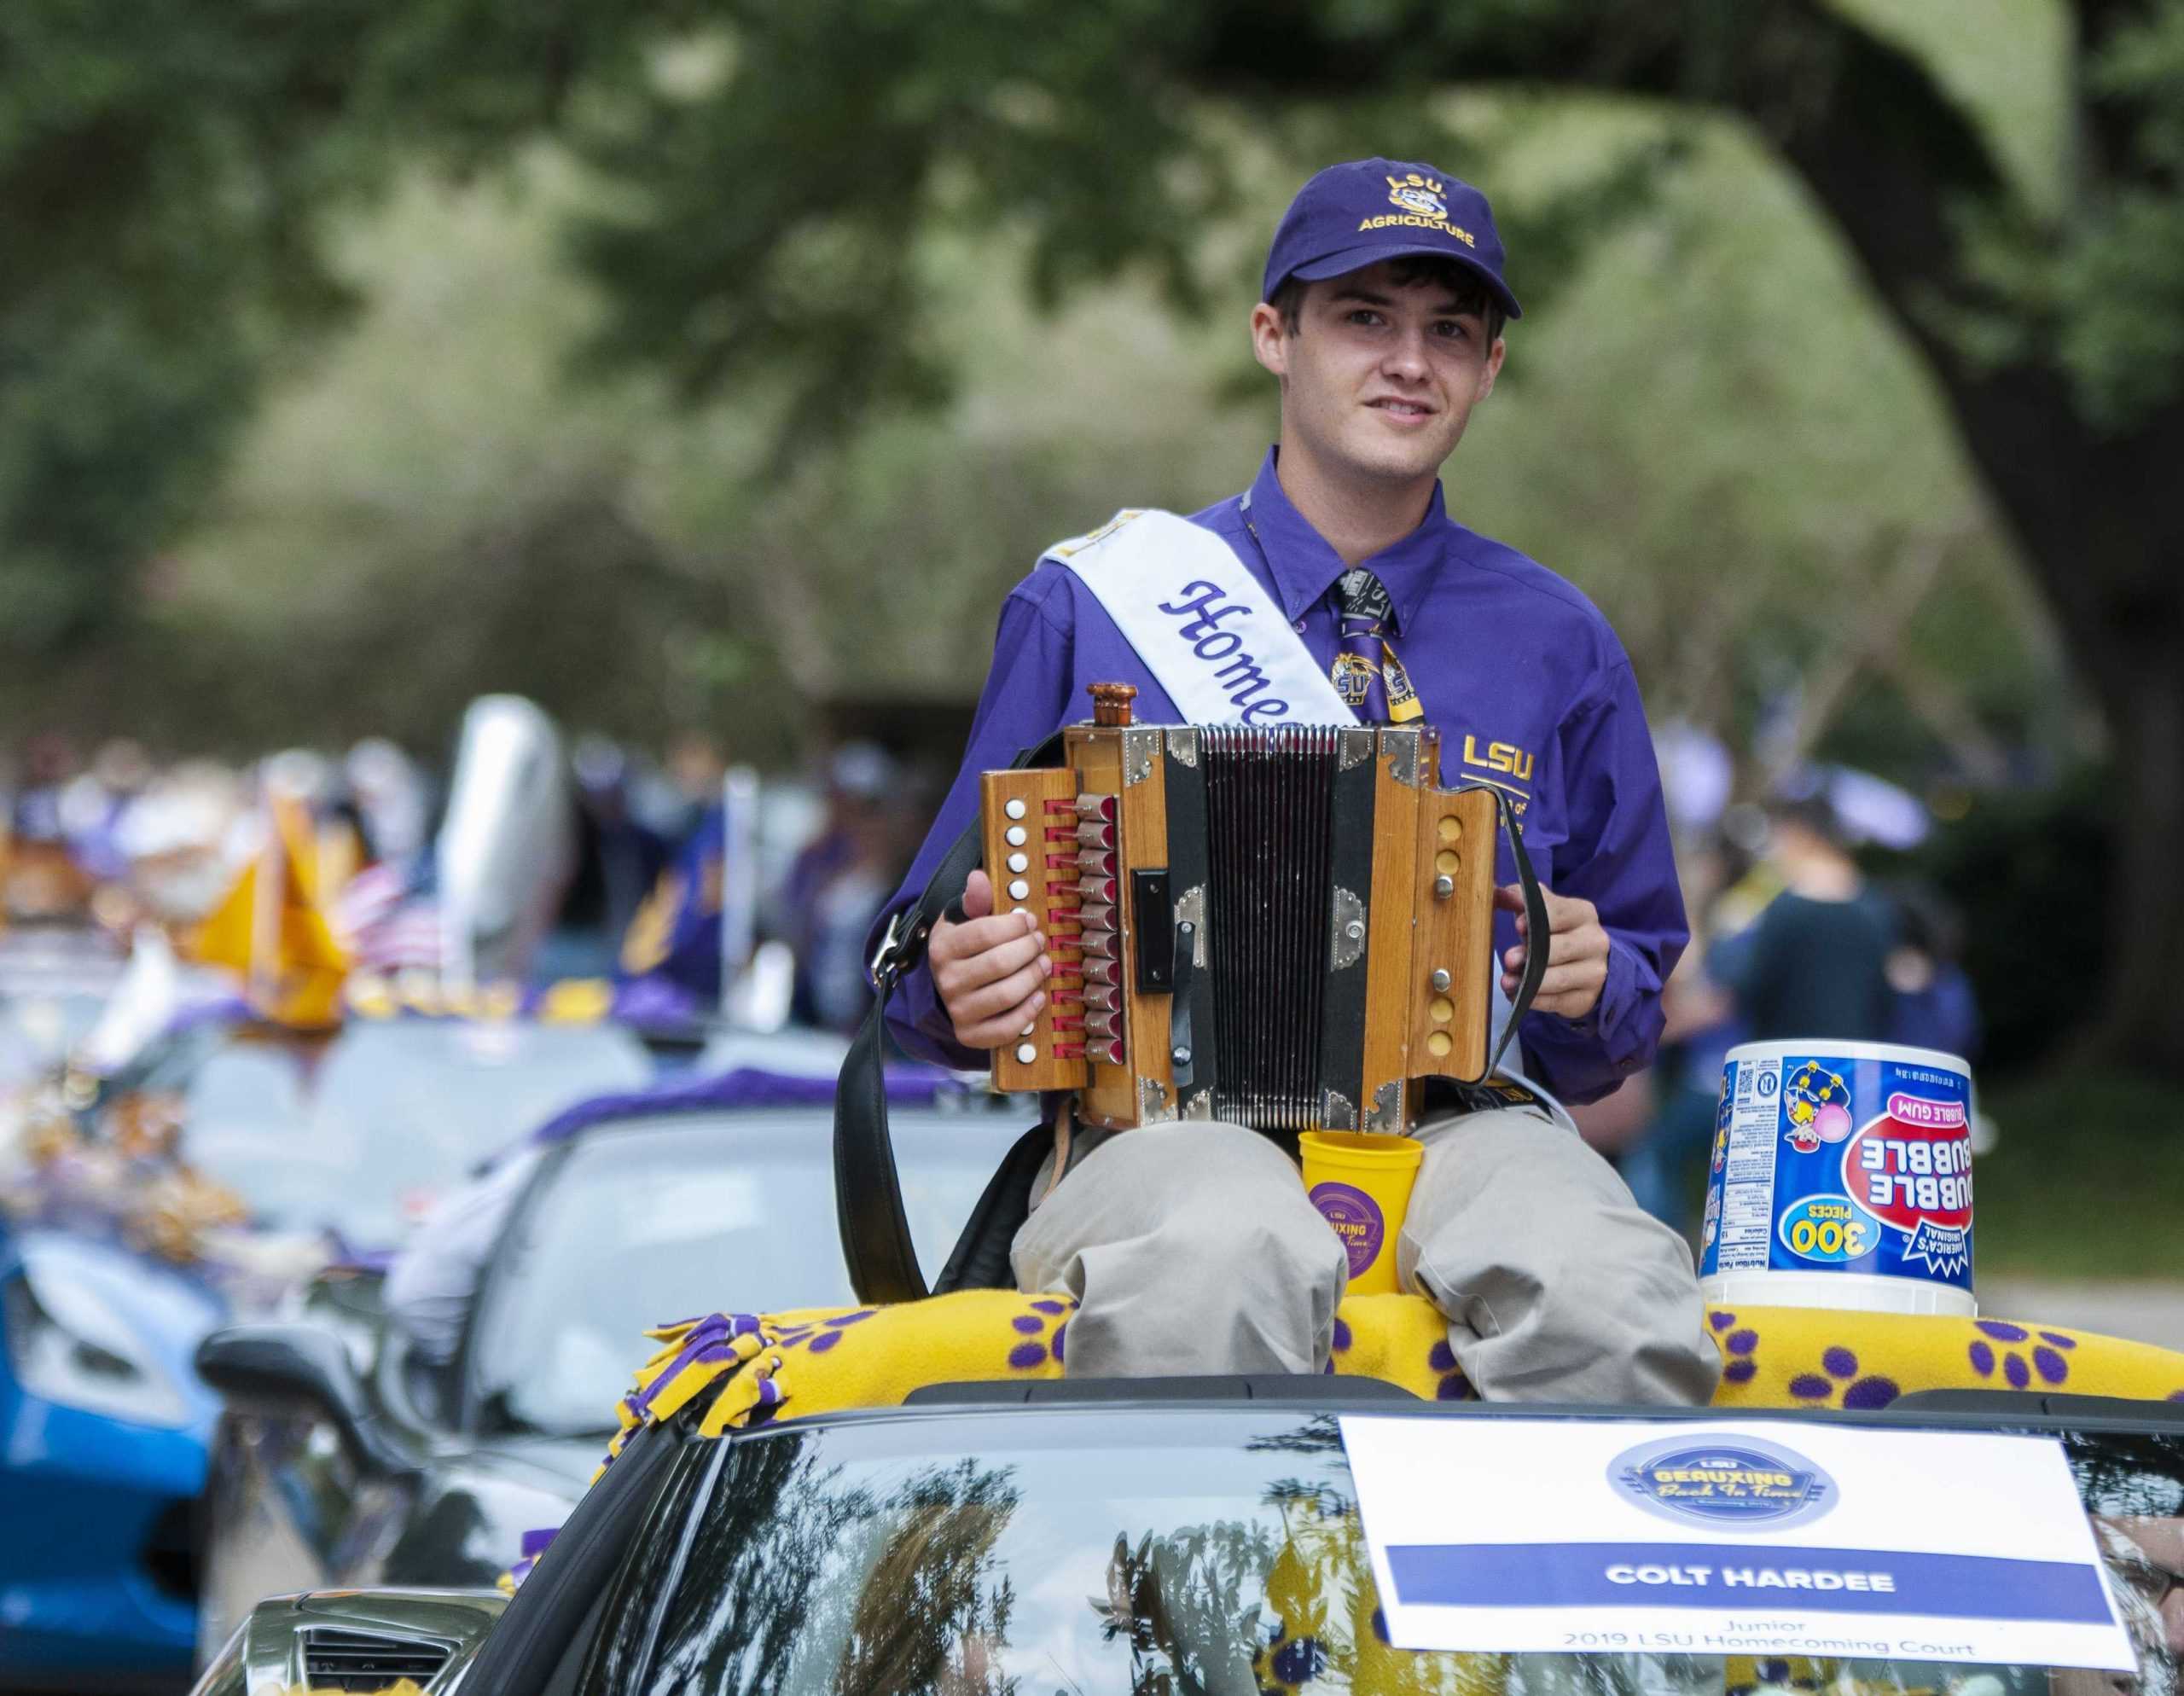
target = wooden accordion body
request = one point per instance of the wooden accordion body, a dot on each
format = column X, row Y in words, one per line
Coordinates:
column 1286, row 927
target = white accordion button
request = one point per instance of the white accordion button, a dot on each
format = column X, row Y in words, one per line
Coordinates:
column 1018, row 890
column 1019, row 863
column 1026, row 1052
column 1014, row 809
column 1017, row 836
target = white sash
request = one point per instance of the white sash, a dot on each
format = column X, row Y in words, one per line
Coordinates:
column 1202, row 623
column 1203, row 626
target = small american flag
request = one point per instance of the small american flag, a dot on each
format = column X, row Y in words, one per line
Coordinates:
column 382, row 925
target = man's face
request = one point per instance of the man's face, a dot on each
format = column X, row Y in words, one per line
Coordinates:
column 1380, row 377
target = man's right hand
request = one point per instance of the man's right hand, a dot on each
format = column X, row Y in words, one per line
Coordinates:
column 990, row 971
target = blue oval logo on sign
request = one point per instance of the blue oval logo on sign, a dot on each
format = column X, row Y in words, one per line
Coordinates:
column 1742, row 1483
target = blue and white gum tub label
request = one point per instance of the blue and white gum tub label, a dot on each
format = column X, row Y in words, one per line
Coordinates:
column 1840, row 1177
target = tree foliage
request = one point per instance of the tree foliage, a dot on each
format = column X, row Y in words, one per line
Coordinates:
column 2053, row 330
column 168, row 177
column 784, row 188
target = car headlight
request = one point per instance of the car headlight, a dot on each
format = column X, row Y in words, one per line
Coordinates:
column 69, row 1346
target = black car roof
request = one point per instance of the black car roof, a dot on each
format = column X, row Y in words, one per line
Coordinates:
column 1065, row 1400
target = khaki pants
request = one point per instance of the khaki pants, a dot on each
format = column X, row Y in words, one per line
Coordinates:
column 1193, row 1248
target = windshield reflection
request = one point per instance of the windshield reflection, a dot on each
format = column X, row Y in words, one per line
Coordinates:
column 1072, row 1558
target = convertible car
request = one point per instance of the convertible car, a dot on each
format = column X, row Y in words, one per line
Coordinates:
column 1159, row 1538
column 347, row 1458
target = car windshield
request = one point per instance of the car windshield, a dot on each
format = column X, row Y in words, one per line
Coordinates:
column 392, row 1115
column 657, row 1219
column 1085, row 1551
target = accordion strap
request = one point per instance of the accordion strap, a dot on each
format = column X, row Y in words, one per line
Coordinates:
column 875, row 1232
column 1538, row 927
column 876, row 1242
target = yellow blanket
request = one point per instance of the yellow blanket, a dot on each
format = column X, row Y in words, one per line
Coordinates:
column 816, row 1361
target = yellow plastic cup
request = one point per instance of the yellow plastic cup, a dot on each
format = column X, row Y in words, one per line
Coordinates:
column 1361, row 1183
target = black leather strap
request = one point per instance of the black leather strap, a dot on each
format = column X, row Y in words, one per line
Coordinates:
column 1537, row 928
column 883, row 1261
column 980, row 1261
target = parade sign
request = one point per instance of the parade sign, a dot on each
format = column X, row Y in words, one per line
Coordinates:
column 1766, row 1537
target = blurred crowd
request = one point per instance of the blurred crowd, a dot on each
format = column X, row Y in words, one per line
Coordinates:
column 695, row 891
column 528, row 859
column 1790, row 939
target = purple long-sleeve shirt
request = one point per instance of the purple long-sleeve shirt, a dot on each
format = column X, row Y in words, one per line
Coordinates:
column 1526, row 680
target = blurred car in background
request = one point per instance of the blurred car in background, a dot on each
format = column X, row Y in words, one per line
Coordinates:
column 250, row 1157
column 103, row 1426
column 212, row 1177
column 347, row 1458
column 354, row 1145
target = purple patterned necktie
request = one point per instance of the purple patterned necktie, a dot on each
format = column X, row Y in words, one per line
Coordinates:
column 1366, row 672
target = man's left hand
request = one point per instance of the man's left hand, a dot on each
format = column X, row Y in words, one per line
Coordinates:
column 1576, row 952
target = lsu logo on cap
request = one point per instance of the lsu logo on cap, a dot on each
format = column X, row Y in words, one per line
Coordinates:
column 1742, row 1484
column 1416, row 193
column 1419, row 204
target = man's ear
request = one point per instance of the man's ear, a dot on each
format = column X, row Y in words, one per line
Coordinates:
column 1269, row 340
column 1493, row 367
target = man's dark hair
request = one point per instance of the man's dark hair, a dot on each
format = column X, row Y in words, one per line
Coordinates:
column 1413, row 270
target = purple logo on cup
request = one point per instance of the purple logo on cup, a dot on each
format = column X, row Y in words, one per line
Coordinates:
column 1357, row 1220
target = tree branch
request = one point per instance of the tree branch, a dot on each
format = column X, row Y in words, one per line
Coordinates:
column 1891, row 158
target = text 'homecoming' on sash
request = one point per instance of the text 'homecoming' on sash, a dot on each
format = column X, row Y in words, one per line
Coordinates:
column 1201, row 622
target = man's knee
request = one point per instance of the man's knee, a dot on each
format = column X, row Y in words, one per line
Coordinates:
column 1283, row 1248
column 1189, row 1255
column 1626, row 1324
column 1559, row 1288
column 1248, row 1239
column 1220, row 1291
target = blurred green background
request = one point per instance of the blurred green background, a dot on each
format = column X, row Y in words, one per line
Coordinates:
column 702, row 365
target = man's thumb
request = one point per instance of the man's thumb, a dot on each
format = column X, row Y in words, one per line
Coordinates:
column 977, row 895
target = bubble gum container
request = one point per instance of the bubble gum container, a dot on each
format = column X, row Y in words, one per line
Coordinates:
column 1840, row 1177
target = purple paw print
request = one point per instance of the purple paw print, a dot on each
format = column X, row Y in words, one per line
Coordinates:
column 2048, row 1356
column 1032, row 1344
column 1454, row 1385
column 1839, row 1370
column 1738, row 1345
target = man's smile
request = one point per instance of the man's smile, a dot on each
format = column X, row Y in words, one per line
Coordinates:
column 1403, row 410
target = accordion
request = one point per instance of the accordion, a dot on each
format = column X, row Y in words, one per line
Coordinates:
column 1287, row 926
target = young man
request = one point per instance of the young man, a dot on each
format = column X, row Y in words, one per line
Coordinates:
column 1192, row 1247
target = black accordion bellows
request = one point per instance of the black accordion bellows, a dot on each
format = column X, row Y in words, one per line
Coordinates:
column 1271, row 814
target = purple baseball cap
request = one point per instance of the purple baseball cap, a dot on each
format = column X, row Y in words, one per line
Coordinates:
column 1351, row 216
